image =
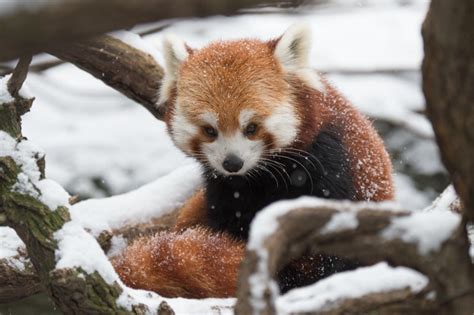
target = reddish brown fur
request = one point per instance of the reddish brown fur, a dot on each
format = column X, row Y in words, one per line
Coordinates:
column 193, row 213
column 192, row 262
column 370, row 163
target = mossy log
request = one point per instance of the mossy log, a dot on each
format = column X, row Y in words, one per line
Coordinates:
column 74, row 291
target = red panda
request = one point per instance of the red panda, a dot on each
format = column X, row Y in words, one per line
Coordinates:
column 265, row 127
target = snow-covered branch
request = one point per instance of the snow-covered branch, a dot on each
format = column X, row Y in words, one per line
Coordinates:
column 433, row 243
column 38, row 210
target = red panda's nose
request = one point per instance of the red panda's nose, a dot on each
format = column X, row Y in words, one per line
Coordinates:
column 232, row 163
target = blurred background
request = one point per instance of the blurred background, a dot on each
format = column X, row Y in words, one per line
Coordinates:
column 99, row 143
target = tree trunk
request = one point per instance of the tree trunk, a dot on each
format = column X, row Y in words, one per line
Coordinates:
column 448, row 84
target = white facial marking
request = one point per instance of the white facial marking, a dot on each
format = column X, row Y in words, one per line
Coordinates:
column 245, row 117
column 182, row 130
column 248, row 150
column 283, row 125
column 209, row 118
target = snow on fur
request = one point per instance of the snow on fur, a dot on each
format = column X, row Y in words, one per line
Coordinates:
column 325, row 294
column 78, row 248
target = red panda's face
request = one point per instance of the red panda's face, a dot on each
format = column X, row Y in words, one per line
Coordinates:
column 230, row 104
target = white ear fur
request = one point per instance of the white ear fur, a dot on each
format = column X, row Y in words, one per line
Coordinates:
column 293, row 48
column 174, row 53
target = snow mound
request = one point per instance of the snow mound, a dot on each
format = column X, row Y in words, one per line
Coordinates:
column 325, row 294
column 149, row 201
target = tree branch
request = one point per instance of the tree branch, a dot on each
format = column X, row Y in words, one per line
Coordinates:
column 448, row 267
column 73, row 289
column 50, row 23
column 128, row 70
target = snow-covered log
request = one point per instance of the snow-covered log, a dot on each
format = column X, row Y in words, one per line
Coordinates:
column 37, row 209
column 434, row 243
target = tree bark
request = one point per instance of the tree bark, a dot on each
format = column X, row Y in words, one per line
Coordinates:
column 448, row 84
column 449, row 268
column 73, row 290
column 130, row 71
column 51, row 23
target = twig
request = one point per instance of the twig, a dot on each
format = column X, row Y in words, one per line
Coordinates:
column 19, row 75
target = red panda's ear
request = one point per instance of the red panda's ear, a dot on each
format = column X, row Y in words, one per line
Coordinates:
column 293, row 48
column 175, row 51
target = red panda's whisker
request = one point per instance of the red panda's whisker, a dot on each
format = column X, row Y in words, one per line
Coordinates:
column 306, row 154
column 302, row 166
column 263, row 168
column 277, row 167
column 281, row 175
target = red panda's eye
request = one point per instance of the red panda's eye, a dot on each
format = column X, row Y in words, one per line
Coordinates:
column 251, row 129
column 210, row 131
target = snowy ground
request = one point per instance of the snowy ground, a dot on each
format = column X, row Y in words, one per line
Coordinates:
column 98, row 142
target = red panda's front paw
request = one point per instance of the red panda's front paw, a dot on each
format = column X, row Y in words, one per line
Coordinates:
column 196, row 263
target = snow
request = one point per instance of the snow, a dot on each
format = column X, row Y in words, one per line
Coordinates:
column 98, row 142
column 117, row 244
column 470, row 233
column 266, row 223
column 5, row 96
column 444, row 201
column 341, row 38
column 77, row 248
column 267, row 219
column 325, row 294
column 10, row 246
column 340, row 222
column 407, row 193
column 396, row 107
column 152, row 200
column 52, row 194
column 429, row 230
column 25, row 154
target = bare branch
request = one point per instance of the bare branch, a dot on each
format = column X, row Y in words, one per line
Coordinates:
column 19, row 75
column 123, row 67
column 56, row 22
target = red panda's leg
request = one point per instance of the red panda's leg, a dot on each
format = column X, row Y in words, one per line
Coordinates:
column 193, row 212
column 194, row 264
